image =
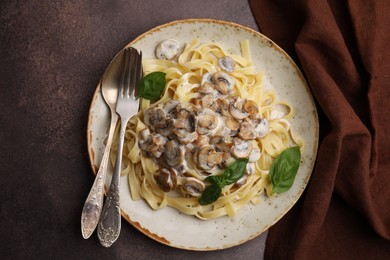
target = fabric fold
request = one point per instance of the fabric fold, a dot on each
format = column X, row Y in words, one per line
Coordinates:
column 341, row 48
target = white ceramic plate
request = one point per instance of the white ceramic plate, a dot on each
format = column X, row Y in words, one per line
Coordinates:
column 172, row 228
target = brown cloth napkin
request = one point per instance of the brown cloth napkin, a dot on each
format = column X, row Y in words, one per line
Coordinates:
column 342, row 48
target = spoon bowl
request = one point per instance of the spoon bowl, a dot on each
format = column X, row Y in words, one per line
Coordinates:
column 110, row 82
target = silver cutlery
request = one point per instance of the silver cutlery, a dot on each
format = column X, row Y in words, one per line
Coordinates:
column 126, row 107
column 94, row 203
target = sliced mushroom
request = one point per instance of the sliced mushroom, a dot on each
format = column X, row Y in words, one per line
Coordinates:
column 153, row 146
column 208, row 100
column 225, row 107
column 167, row 49
column 217, row 105
column 181, row 168
column 174, row 153
column 190, row 147
column 165, row 127
column 233, row 125
column 216, row 139
column 222, row 87
column 227, row 63
column 193, row 186
column 214, row 158
column 196, row 103
column 145, row 134
column 202, row 140
column 154, row 116
column 184, row 136
column 158, row 141
column 208, row 158
column 224, row 131
column 247, row 131
column 255, row 155
column 170, row 106
column 223, row 77
column 167, row 179
column 235, row 109
column 251, row 108
column 224, row 146
column 222, row 82
column 192, row 119
column 207, row 120
column 185, row 120
column 221, row 143
column 227, row 159
column 206, row 88
column 262, row 128
column 241, row 148
column 144, row 145
column 157, row 147
column 195, row 156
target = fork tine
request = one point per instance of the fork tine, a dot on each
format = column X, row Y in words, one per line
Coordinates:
column 134, row 72
column 123, row 74
column 129, row 71
column 139, row 73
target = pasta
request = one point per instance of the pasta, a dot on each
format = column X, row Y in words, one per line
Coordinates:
column 186, row 86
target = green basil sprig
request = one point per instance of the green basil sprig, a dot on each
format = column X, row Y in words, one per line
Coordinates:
column 284, row 169
column 231, row 174
column 152, row 85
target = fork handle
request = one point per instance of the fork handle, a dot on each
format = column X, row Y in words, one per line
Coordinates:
column 110, row 221
column 94, row 203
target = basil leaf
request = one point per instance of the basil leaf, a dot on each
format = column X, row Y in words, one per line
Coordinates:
column 235, row 171
column 231, row 174
column 284, row 169
column 152, row 85
column 217, row 180
column 210, row 194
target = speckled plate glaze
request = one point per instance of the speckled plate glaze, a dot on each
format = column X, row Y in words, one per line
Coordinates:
column 175, row 229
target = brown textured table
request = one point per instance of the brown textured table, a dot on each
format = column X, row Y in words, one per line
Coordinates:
column 52, row 56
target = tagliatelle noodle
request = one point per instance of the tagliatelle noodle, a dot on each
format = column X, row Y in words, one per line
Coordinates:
column 183, row 78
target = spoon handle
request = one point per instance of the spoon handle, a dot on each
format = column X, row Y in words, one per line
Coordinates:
column 94, row 203
column 110, row 221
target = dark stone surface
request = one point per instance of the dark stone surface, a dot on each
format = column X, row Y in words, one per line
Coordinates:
column 52, row 56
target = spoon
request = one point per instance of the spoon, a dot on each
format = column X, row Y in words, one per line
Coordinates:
column 94, row 203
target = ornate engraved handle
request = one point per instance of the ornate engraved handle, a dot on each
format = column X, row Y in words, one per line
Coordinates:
column 110, row 221
column 94, row 203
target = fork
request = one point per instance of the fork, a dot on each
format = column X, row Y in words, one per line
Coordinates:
column 126, row 107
